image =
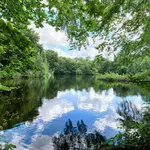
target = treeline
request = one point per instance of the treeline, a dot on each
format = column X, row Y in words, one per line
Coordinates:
column 100, row 65
column 22, row 55
column 63, row 65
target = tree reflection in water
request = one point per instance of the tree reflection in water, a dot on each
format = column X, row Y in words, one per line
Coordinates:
column 129, row 113
column 136, row 125
column 77, row 138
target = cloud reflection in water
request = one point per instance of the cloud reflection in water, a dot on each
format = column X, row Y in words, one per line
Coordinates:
column 95, row 101
column 102, row 105
column 53, row 109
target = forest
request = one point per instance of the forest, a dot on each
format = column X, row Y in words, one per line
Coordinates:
column 122, row 28
column 22, row 55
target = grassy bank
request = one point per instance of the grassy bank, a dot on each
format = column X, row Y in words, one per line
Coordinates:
column 114, row 77
column 29, row 74
column 13, row 74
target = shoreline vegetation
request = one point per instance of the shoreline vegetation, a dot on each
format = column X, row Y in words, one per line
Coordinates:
column 142, row 77
column 114, row 77
column 139, row 78
column 22, row 56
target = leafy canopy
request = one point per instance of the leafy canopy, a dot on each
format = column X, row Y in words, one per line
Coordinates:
column 116, row 22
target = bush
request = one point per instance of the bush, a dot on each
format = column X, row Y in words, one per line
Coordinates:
column 141, row 76
column 113, row 77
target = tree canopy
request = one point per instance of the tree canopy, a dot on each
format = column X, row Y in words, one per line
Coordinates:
column 115, row 22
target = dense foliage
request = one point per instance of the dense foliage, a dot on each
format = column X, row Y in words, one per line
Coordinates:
column 19, row 51
column 122, row 23
column 108, row 69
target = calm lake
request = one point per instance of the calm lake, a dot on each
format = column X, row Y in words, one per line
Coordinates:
column 38, row 109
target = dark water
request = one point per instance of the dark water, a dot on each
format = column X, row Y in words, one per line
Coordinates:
column 38, row 109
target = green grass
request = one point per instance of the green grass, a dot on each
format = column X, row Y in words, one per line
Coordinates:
column 113, row 77
column 141, row 76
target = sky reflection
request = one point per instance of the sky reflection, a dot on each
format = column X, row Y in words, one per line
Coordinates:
column 97, row 109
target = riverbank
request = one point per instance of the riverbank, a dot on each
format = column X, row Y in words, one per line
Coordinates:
column 5, row 88
column 16, row 76
column 141, row 77
column 114, row 77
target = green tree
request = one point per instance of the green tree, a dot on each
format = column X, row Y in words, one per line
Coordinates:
column 18, row 52
column 52, row 59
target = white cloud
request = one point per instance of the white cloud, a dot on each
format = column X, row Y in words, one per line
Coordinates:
column 56, row 40
column 73, row 92
column 90, row 51
column 50, row 38
column 53, row 109
column 96, row 101
column 16, row 141
column 108, row 125
column 42, row 143
column 60, row 94
column 108, row 121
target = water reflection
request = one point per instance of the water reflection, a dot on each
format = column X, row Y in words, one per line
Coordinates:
column 54, row 109
column 77, row 138
column 96, row 101
column 39, row 108
column 136, row 126
column 21, row 104
column 129, row 112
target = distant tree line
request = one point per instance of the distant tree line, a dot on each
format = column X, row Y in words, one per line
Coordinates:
column 100, row 65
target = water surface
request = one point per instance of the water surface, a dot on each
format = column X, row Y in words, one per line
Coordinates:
column 38, row 109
